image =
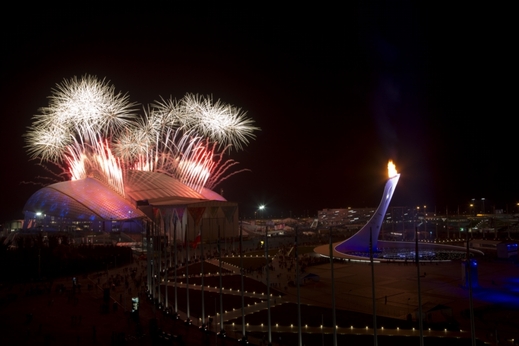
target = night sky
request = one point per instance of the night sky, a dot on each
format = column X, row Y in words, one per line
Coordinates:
column 336, row 91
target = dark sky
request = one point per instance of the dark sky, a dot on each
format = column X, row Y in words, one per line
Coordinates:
column 336, row 91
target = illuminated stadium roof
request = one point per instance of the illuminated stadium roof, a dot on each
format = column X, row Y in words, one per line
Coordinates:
column 85, row 199
column 160, row 189
column 89, row 199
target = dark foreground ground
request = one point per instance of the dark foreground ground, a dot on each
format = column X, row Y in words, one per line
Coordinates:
column 53, row 313
column 43, row 317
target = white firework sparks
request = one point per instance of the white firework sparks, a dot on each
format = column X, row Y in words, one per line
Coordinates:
column 92, row 104
column 49, row 143
column 95, row 160
column 220, row 122
column 81, row 109
column 93, row 130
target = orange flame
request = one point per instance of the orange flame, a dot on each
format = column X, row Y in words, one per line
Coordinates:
column 391, row 169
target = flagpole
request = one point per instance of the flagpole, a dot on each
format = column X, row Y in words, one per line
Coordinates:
column 148, row 257
column 420, row 320
column 468, row 269
column 267, row 270
column 375, row 337
column 170, row 235
column 233, row 236
column 224, row 240
column 334, row 318
column 167, row 263
column 153, row 260
column 202, row 269
column 244, row 336
column 221, row 295
column 155, row 265
column 299, row 334
column 159, row 266
column 176, row 263
column 188, row 321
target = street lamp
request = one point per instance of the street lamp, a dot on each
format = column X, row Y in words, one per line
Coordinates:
column 261, row 208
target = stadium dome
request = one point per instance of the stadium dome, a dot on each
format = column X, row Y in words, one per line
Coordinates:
column 90, row 201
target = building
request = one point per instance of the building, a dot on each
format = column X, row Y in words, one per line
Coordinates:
column 150, row 199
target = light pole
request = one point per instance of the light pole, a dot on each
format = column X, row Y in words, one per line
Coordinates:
column 260, row 209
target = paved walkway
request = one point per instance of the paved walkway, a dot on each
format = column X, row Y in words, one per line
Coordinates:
column 55, row 314
column 496, row 300
column 397, row 308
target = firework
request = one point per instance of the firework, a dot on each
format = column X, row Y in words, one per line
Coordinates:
column 92, row 104
column 94, row 131
column 222, row 123
column 49, row 143
column 81, row 109
column 221, row 171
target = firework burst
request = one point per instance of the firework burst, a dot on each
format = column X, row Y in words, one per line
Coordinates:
column 91, row 105
column 94, row 131
column 79, row 109
column 221, row 123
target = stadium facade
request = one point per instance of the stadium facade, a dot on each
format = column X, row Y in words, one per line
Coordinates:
column 150, row 199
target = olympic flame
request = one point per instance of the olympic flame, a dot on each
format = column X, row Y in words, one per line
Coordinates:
column 391, row 169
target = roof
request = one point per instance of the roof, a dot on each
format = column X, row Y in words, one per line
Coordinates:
column 159, row 189
column 90, row 199
column 84, row 199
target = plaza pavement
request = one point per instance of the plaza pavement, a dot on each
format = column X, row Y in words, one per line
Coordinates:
column 39, row 314
column 396, row 296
